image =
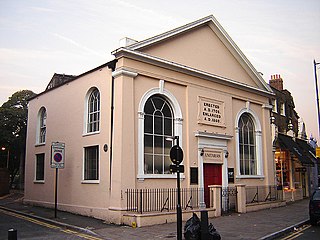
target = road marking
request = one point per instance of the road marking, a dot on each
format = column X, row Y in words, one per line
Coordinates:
column 296, row 234
column 48, row 225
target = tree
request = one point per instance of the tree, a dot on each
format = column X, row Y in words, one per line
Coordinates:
column 13, row 129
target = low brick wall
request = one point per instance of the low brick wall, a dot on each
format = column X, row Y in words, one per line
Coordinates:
column 147, row 219
column 264, row 205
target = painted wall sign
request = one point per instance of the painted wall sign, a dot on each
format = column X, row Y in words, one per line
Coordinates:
column 212, row 155
column 211, row 112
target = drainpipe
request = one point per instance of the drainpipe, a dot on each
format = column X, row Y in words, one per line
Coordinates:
column 112, row 66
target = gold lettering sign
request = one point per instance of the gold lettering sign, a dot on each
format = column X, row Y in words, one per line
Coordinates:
column 212, row 156
column 211, row 112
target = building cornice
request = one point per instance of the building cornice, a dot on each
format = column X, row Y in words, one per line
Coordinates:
column 212, row 135
column 125, row 72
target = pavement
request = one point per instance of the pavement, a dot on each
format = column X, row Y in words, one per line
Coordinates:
column 263, row 224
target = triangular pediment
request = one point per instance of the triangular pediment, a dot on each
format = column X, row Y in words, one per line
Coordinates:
column 203, row 45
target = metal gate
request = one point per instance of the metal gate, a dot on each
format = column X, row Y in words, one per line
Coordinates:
column 228, row 199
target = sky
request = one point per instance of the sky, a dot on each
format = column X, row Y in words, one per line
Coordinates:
column 40, row 38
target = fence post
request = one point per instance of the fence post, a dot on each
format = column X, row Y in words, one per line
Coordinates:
column 215, row 198
column 140, row 201
column 241, row 198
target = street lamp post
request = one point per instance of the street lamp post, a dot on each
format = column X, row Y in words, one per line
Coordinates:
column 176, row 155
column 317, row 91
column 179, row 211
column 8, row 155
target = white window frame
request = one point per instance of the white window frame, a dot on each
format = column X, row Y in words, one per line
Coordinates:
column 84, row 165
column 41, row 126
column 36, row 168
column 177, row 114
column 274, row 106
column 282, row 109
column 250, row 144
column 258, row 146
column 87, row 113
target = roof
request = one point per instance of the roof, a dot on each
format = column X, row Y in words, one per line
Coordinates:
column 136, row 49
column 59, row 80
column 307, row 150
column 287, row 142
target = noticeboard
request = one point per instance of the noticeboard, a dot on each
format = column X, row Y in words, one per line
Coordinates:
column 57, row 155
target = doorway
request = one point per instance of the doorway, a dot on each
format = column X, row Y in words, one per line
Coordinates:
column 212, row 176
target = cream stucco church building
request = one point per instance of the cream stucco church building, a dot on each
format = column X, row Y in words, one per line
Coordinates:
column 115, row 120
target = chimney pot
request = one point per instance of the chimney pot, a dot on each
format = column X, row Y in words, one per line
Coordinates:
column 276, row 82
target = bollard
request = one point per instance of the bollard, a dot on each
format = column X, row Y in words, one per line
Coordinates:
column 12, row 234
column 204, row 225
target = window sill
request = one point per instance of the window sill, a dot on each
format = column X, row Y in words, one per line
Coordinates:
column 38, row 181
column 90, row 182
column 90, row 133
column 40, row 144
column 250, row 176
column 159, row 176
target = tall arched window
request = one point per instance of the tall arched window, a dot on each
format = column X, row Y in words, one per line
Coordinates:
column 93, row 118
column 158, row 125
column 42, row 125
column 247, row 145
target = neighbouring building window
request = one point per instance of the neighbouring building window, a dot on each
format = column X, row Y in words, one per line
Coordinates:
column 274, row 105
column 91, row 163
column 42, row 123
column 93, row 118
column 282, row 109
column 247, row 145
column 158, row 125
column 39, row 167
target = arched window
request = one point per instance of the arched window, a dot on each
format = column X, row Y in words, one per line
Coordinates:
column 93, row 118
column 42, row 119
column 247, row 145
column 159, row 117
column 158, row 125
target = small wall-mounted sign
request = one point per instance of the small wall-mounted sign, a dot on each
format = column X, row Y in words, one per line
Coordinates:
column 230, row 175
column 211, row 155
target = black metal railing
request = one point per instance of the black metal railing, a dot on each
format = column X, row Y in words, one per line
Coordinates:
column 256, row 194
column 159, row 200
column 228, row 199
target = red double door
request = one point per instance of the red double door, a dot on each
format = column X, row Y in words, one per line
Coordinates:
column 212, row 176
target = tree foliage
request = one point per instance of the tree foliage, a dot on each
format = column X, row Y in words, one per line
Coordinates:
column 13, row 129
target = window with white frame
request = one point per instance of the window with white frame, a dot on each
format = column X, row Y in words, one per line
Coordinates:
column 274, row 106
column 158, row 125
column 39, row 172
column 42, row 123
column 282, row 109
column 247, row 145
column 93, row 109
column 159, row 117
column 91, row 163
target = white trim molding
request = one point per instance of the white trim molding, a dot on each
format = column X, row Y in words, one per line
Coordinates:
column 258, row 141
column 178, row 123
column 125, row 72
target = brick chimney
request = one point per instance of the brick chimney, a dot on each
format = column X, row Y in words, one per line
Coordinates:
column 276, row 82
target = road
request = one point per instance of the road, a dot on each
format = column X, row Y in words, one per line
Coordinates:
column 31, row 228
column 306, row 232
